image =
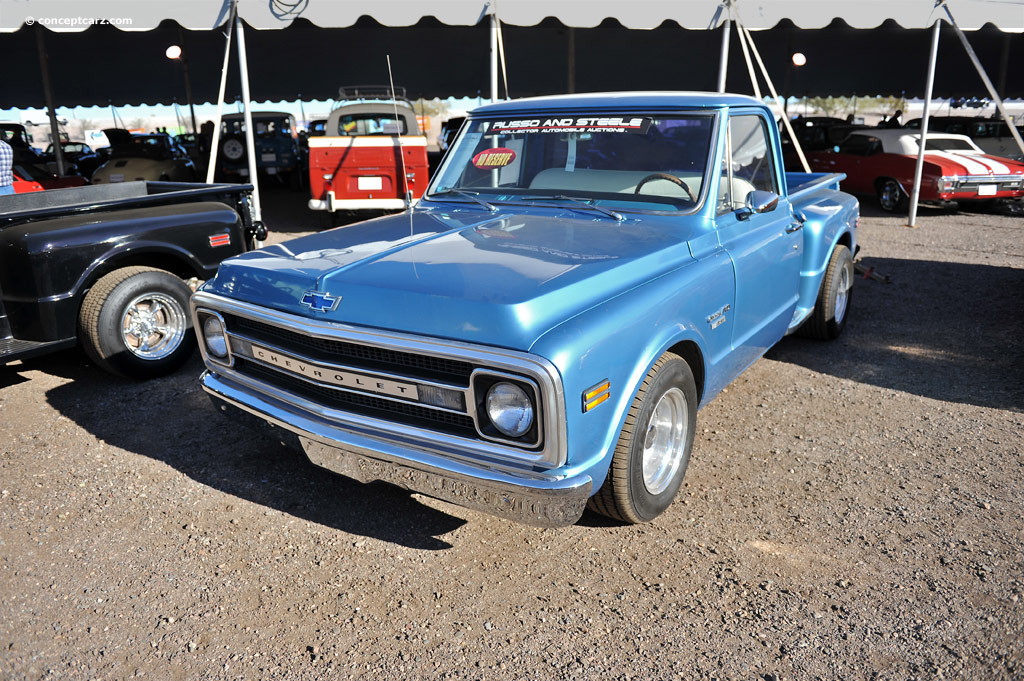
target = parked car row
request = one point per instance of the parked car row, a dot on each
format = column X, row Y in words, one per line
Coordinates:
column 882, row 161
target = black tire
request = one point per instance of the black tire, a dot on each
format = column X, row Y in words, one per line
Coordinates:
column 625, row 495
column 891, row 197
column 832, row 309
column 110, row 331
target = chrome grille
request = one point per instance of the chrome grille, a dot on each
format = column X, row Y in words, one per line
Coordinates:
column 354, row 354
column 368, row 405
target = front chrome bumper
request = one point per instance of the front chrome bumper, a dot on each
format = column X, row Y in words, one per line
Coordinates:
column 535, row 499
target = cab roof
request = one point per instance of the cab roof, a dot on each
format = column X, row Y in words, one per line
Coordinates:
column 615, row 101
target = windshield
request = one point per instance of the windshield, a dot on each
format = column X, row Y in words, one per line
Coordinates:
column 625, row 161
column 370, row 124
column 142, row 146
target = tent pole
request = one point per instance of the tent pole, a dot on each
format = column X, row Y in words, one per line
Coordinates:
column 984, row 77
column 494, row 55
column 188, row 78
column 250, row 137
column 44, row 67
column 723, row 58
column 915, row 195
column 775, row 96
column 570, row 85
column 211, row 169
column 750, row 64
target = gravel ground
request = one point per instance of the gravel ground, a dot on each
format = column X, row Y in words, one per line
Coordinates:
column 852, row 510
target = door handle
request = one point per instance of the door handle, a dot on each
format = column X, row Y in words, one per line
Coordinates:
column 794, row 227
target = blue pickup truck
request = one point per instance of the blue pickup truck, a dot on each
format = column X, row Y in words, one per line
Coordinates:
column 537, row 333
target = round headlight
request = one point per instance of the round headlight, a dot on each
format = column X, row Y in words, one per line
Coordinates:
column 510, row 409
column 213, row 333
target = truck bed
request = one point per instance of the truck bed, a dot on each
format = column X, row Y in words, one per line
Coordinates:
column 803, row 184
column 31, row 205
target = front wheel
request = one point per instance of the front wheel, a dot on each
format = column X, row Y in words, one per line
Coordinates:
column 654, row 447
column 828, row 319
column 134, row 322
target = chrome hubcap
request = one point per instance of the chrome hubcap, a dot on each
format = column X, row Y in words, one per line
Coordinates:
column 890, row 195
column 153, row 326
column 843, row 294
column 665, row 441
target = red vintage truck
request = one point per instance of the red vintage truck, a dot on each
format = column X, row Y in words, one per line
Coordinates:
column 358, row 163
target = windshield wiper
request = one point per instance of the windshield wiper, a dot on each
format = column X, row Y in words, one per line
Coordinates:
column 473, row 196
column 562, row 197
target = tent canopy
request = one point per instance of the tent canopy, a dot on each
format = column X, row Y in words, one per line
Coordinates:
column 321, row 46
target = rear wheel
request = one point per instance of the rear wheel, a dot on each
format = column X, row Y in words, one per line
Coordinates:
column 890, row 195
column 134, row 322
column 830, row 310
column 654, row 447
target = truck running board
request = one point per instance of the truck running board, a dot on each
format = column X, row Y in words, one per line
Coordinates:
column 12, row 349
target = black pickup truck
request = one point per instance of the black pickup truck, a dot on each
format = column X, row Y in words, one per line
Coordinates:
column 109, row 266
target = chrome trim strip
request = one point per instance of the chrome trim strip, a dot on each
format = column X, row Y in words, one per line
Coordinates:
column 552, row 453
column 523, row 496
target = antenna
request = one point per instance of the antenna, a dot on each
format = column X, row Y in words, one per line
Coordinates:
column 401, row 149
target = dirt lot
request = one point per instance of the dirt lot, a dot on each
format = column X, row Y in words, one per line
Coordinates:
column 852, row 510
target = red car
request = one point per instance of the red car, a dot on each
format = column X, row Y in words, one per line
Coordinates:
column 881, row 162
column 22, row 186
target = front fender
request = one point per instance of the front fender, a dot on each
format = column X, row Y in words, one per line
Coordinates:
column 621, row 339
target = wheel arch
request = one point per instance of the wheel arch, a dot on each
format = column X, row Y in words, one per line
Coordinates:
column 883, row 178
column 160, row 256
column 692, row 355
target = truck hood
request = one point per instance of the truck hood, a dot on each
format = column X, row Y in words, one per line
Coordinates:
column 498, row 279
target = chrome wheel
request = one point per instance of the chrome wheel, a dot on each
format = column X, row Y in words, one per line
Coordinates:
column 153, row 326
column 843, row 294
column 889, row 195
column 665, row 441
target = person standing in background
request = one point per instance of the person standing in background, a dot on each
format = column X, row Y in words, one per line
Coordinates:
column 6, row 171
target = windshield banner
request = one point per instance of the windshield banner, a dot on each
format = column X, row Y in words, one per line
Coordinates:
column 618, row 124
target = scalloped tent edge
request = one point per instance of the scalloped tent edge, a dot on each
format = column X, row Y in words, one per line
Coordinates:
column 1008, row 15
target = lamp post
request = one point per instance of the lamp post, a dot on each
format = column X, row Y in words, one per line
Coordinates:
column 174, row 53
column 798, row 59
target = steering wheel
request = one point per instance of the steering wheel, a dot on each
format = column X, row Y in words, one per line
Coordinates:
column 670, row 178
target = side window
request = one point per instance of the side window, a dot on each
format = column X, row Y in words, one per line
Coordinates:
column 856, row 145
column 748, row 162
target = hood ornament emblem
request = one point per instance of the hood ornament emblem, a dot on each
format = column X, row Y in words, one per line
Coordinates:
column 320, row 302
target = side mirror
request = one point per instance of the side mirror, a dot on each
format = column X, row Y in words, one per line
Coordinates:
column 762, row 202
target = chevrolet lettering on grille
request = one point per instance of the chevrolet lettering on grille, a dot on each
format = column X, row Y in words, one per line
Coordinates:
column 333, row 376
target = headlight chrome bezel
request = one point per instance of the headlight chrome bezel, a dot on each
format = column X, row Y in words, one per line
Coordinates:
column 205, row 318
column 482, row 383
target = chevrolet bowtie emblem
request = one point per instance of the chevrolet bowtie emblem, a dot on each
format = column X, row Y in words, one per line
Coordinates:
column 320, row 302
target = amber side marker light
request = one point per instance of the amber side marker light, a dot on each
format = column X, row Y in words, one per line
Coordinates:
column 596, row 395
